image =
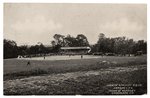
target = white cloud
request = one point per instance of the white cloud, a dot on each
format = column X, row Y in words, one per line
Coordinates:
column 35, row 25
column 32, row 23
column 123, row 27
column 34, row 29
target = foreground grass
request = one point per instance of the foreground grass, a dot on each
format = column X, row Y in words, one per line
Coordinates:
column 14, row 69
column 82, row 85
column 69, row 77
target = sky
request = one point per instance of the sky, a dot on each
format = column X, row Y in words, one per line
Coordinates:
column 30, row 23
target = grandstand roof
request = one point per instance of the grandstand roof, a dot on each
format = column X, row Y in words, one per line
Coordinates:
column 72, row 48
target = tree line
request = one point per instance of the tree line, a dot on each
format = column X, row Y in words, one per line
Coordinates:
column 117, row 45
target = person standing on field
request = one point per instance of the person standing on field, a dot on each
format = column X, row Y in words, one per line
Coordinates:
column 81, row 56
column 28, row 63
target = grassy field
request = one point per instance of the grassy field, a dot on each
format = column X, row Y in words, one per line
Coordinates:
column 22, row 79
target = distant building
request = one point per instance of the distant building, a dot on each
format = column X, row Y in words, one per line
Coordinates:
column 75, row 50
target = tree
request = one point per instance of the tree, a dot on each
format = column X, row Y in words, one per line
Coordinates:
column 101, row 36
column 59, row 39
column 101, row 43
column 119, row 45
column 141, row 46
column 70, row 41
column 23, row 50
column 82, row 40
column 10, row 49
column 53, row 43
column 34, row 49
column 130, row 46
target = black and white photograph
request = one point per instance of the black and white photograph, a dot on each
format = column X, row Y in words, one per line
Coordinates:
column 74, row 49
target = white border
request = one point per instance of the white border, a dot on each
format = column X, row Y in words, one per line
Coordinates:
column 71, row 1
column 78, row 1
column 1, row 49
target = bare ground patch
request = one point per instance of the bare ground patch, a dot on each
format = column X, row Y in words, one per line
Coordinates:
column 81, row 82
